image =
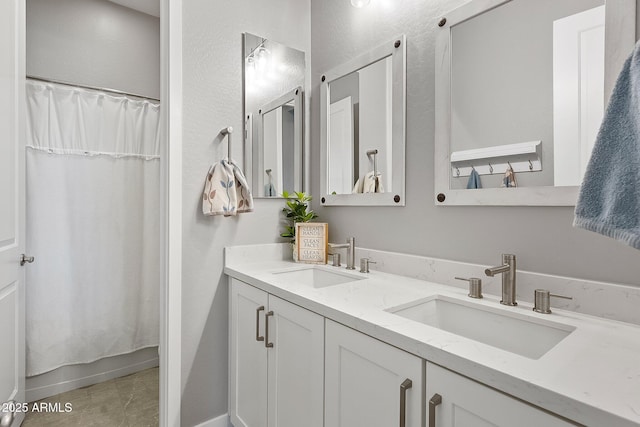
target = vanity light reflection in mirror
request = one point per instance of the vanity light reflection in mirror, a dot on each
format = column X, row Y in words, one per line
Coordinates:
column 273, row 81
column 527, row 71
column 360, row 134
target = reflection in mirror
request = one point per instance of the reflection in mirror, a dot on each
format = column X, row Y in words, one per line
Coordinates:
column 522, row 85
column 524, row 73
column 362, row 128
column 273, row 81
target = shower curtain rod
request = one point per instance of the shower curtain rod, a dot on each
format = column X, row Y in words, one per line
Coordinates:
column 114, row 91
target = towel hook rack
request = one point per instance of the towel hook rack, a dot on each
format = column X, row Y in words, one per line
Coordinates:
column 374, row 153
column 227, row 132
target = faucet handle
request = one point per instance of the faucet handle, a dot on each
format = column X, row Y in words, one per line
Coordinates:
column 542, row 300
column 335, row 258
column 475, row 286
column 364, row 264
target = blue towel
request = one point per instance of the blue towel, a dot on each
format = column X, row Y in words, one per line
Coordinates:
column 609, row 201
column 474, row 179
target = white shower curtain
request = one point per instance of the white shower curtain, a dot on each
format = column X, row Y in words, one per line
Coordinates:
column 93, row 174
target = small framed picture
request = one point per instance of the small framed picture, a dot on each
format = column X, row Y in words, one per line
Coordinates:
column 312, row 241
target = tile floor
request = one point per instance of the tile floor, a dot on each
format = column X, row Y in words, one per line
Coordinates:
column 130, row 401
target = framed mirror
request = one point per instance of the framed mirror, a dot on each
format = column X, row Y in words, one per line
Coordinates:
column 274, row 78
column 363, row 129
column 521, row 85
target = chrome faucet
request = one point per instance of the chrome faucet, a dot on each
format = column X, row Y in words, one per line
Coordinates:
column 508, row 270
column 351, row 251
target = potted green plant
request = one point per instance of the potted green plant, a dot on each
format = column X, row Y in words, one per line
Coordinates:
column 296, row 210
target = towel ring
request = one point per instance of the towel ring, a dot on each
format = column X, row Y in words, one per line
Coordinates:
column 530, row 166
column 374, row 153
column 227, row 132
column 490, row 168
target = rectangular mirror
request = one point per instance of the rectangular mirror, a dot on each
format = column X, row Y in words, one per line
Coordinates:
column 274, row 78
column 363, row 129
column 522, row 85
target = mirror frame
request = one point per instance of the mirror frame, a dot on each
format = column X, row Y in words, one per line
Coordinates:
column 255, row 150
column 620, row 38
column 398, row 54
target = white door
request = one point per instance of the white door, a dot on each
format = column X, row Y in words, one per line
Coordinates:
column 578, row 92
column 11, row 209
column 370, row 383
column 247, row 356
column 460, row 402
column 296, row 366
column 340, row 147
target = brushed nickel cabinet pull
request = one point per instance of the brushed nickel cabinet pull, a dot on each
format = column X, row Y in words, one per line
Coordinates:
column 266, row 329
column 406, row 385
column 435, row 400
column 258, row 310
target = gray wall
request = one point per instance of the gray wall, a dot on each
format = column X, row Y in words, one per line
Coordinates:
column 212, row 67
column 542, row 237
column 95, row 43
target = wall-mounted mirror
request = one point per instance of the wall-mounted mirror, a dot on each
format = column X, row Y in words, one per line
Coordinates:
column 274, row 78
column 522, row 85
column 363, row 129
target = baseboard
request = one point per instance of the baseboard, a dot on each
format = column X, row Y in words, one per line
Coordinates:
column 72, row 377
column 221, row 421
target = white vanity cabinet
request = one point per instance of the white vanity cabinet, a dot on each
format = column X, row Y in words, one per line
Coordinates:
column 454, row 400
column 276, row 361
column 370, row 383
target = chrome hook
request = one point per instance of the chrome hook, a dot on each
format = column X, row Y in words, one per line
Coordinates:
column 457, row 171
column 490, row 168
column 530, row 166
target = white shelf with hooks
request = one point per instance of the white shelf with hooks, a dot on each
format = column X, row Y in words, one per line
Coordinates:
column 523, row 157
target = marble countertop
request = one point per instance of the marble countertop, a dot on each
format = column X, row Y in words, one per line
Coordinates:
column 592, row 376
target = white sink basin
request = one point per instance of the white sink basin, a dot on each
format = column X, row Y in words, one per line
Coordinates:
column 513, row 332
column 315, row 277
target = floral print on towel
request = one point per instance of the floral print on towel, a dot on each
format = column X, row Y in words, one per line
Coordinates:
column 226, row 191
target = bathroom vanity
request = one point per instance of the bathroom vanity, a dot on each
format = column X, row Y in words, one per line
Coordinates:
column 322, row 345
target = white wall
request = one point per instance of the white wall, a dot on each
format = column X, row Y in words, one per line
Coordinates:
column 212, row 67
column 542, row 237
column 94, row 42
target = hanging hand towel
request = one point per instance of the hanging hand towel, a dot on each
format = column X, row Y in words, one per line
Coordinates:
column 369, row 184
column 509, row 180
column 474, row 179
column 226, row 191
column 609, row 200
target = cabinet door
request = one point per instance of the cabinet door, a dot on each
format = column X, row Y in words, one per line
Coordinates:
column 466, row 403
column 296, row 366
column 363, row 378
column 247, row 356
